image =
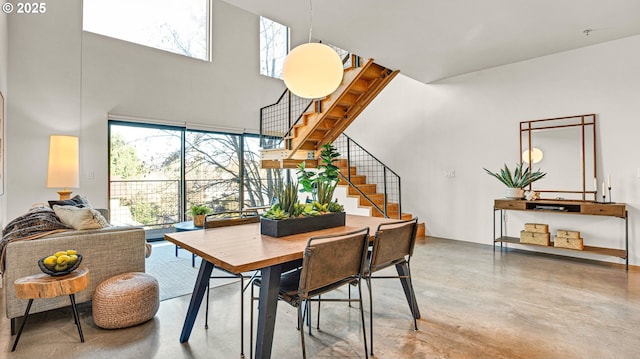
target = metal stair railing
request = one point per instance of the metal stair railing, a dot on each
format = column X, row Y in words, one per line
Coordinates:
column 277, row 120
column 376, row 172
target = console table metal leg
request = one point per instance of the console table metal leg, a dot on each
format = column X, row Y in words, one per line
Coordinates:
column 626, row 239
column 501, row 227
column 494, row 230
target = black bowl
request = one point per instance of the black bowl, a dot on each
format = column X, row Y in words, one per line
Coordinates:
column 51, row 272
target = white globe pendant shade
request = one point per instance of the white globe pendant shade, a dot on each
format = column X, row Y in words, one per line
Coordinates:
column 312, row 70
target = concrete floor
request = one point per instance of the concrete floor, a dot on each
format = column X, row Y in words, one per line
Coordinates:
column 474, row 304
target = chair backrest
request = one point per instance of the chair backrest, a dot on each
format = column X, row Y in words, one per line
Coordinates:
column 331, row 259
column 231, row 218
column 392, row 242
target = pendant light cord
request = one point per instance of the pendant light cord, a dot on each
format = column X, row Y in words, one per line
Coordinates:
column 310, row 19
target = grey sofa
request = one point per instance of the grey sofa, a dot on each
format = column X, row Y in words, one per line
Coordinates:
column 106, row 252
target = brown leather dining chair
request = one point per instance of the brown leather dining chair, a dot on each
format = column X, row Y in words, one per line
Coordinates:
column 392, row 246
column 328, row 262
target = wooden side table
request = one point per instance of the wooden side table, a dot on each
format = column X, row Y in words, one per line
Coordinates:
column 45, row 286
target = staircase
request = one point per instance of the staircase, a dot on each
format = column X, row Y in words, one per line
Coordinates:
column 323, row 120
column 302, row 126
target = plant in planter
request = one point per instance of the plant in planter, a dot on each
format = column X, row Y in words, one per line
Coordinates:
column 322, row 184
column 288, row 216
column 516, row 180
column 199, row 211
column 287, row 195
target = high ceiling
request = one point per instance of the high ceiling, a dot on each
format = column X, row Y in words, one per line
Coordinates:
column 430, row 40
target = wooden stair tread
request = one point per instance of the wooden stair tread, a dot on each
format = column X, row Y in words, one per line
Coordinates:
column 352, row 171
column 357, row 179
column 365, row 188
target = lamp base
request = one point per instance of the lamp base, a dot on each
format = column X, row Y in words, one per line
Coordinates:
column 65, row 194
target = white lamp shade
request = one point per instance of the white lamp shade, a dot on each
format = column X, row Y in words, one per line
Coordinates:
column 64, row 162
column 536, row 155
column 312, row 70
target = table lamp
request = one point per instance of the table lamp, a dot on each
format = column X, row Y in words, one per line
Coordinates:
column 64, row 164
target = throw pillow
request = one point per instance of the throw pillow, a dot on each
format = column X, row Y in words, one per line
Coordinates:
column 77, row 201
column 80, row 218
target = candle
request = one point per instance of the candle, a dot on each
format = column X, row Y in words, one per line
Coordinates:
column 609, row 181
column 595, row 184
column 603, row 189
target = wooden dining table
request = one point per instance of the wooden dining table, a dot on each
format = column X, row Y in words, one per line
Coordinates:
column 242, row 248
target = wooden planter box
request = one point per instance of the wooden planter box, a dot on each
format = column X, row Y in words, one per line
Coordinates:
column 287, row 227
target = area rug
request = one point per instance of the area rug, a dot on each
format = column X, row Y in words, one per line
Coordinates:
column 175, row 275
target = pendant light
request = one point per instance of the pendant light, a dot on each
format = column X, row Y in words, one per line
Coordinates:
column 312, row 70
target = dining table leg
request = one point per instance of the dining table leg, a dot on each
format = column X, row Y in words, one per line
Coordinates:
column 403, row 272
column 267, row 305
column 202, row 282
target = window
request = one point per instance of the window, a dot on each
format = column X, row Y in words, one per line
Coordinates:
column 274, row 47
column 212, row 170
column 259, row 184
column 157, row 172
column 181, row 27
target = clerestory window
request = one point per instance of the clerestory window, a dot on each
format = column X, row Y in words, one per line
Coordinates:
column 274, row 47
column 182, row 27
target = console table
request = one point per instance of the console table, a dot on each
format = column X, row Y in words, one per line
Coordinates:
column 618, row 210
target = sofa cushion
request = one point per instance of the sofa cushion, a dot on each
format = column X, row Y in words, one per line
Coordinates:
column 80, row 218
column 77, row 201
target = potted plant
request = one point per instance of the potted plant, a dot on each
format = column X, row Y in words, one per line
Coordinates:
column 517, row 179
column 288, row 216
column 199, row 211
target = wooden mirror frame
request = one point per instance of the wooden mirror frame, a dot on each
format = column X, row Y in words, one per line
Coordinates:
column 527, row 128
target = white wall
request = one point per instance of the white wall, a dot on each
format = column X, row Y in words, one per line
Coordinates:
column 51, row 62
column 4, row 40
column 471, row 121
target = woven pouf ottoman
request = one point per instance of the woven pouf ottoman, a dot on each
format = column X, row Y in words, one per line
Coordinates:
column 125, row 300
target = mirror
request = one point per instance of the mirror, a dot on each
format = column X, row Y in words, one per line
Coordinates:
column 564, row 148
